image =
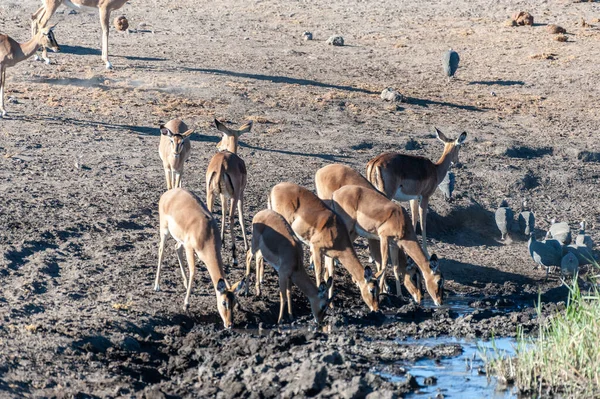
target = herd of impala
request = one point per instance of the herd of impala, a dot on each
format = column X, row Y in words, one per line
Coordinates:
column 347, row 205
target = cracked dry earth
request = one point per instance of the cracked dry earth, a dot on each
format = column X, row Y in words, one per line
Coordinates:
column 80, row 180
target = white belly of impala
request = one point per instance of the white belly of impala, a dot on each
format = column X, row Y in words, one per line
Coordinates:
column 400, row 196
column 366, row 234
column 78, row 7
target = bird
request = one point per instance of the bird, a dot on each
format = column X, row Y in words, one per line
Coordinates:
column 582, row 238
column 450, row 62
column 504, row 219
column 545, row 253
column 526, row 220
column 447, row 186
column 569, row 264
column 584, row 254
column 560, row 231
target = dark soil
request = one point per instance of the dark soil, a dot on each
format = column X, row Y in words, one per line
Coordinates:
column 80, row 179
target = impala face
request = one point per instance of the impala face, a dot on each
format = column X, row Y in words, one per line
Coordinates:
column 49, row 41
column 415, row 279
column 319, row 308
column 226, row 300
column 369, row 290
column 177, row 139
column 436, row 282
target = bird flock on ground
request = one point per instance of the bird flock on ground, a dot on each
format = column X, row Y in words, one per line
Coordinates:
column 347, row 205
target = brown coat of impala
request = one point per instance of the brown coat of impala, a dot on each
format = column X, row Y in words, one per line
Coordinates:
column 274, row 240
column 41, row 17
column 183, row 215
column 412, row 178
column 226, row 176
column 325, row 233
column 174, row 149
column 12, row 52
column 370, row 214
column 332, row 177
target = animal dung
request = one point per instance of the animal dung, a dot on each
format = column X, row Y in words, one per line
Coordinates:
column 121, row 23
column 307, row 35
column 555, row 29
column 335, row 40
column 523, row 18
column 510, row 22
column 561, row 38
column 389, row 94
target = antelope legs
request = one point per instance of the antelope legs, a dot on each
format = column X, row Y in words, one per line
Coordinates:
column 105, row 22
column 2, row 83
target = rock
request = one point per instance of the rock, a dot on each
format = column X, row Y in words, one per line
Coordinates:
column 382, row 394
column 130, row 344
column 311, row 379
column 390, row 94
column 154, row 393
column 121, row 23
column 430, row 380
column 307, row 35
column 332, row 357
column 554, row 29
column 354, row 389
column 523, row 18
column 412, row 145
column 335, row 40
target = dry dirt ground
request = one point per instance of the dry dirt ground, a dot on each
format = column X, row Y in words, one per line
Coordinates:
column 80, row 180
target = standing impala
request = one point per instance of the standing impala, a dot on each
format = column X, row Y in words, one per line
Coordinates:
column 412, row 178
column 12, row 52
column 330, row 178
column 370, row 214
column 274, row 240
column 185, row 217
column 41, row 17
column 325, row 233
column 174, row 149
column 226, row 176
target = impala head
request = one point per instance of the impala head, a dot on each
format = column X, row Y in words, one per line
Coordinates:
column 48, row 40
column 451, row 147
column 226, row 300
column 412, row 281
column 229, row 141
column 177, row 139
column 369, row 289
column 320, row 304
column 435, row 282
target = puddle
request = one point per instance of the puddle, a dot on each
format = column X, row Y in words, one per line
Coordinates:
column 458, row 376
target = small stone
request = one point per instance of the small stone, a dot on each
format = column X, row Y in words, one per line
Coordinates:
column 523, row 18
column 430, row 380
column 510, row 22
column 307, row 35
column 554, row 29
column 390, row 94
column 336, row 40
column 561, row 38
column 13, row 100
column 332, row 357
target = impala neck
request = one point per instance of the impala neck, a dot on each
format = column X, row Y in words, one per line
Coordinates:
column 232, row 144
column 443, row 164
column 413, row 249
column 28, row 48
column 304, row 283
column 350, row 261
column 215, row 268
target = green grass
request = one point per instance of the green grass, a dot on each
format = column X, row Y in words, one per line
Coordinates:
column 565, row 356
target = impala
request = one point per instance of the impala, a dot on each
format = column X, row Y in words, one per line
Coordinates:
column 183, row 215
column 12, row 52
column 274, row 240
column 226, row 176
column 330, row 178
column 174, row 149
column 325, row 233
column 412, row 178
column 371, row 215
column 41, row 17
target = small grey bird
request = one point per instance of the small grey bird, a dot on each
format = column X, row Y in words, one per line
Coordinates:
column 569, row 264
column 545, row 253
column 447, row 186
column 560, row 231
column 504, row 219
column 450, row 62
column 526, row 220
column 584, row 254
column 582, row 238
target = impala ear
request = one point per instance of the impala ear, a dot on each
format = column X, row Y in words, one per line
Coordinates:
column 165, row 131
column 368, row 274
column 188, row 133
column 222, row 128
column 441, row 136
column 461, row 139
column 237, row 287
column 434, row 264
column 246, row 127
column 221, row 286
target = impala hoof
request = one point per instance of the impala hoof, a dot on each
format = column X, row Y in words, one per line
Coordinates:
column 109, row 65
column 157, row 288
column 36, row 58
column 186, row 307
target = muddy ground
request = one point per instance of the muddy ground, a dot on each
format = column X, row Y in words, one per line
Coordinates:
column 80, row 180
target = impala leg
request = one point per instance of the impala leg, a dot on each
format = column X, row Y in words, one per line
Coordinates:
column 289, row 301
column 168, row 179
column 161, row 247
column 316, row 253
column 283, row 283
column 105, row 22
column 397, row 256
column 375, row 252
column 414, row 213
column 2, row 83
column 329, row 266
column 423, row 214
column 241, row 220
column 232, row 204
column 179, row 251
column 189, row 254
column 260, row 268
column 34, row 20
column 384, row 247
column 177, row 179
column 223, row 216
